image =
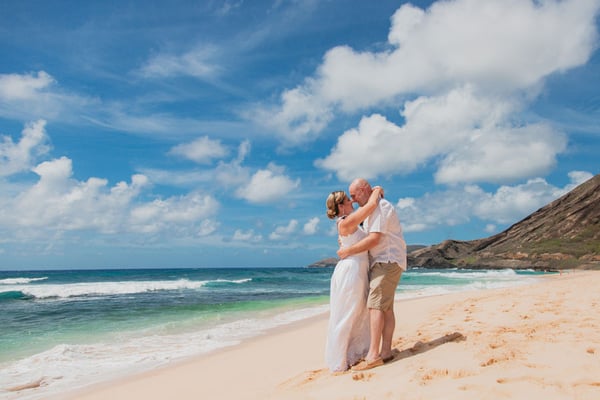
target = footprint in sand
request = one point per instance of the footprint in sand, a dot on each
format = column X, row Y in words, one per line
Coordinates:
column 361, row 376
column 494, row 360
column 305, row 378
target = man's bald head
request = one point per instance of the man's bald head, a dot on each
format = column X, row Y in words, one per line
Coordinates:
column 360, row 190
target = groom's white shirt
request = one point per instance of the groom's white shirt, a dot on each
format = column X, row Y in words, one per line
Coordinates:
column 391, row 246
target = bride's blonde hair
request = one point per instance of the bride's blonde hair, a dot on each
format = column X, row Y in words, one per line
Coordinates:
column 333, row 201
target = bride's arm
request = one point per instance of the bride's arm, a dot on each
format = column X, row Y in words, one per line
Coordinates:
column 363, row 212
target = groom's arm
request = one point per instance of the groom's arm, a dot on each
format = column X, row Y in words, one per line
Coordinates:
column 365, row 244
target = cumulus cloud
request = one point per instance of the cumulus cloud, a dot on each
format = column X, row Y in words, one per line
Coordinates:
column 310, row 227
column 511, row 203
column 299, row 119
column 487, row 44
column 37, row 95
column 474, row 66
column 202, row 150
column 23, row 87
column 174, row 212
column 458, row 205
column 472, row 134
column 20, row 156
column 255, row 186
column 503, row 155
column 267, row 185
column 246, row 236
column 57, row 202
column 208, row 226
column 233, row 173
column 281, row 232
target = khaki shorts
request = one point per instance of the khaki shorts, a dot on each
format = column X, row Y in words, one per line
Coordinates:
column 383, row 280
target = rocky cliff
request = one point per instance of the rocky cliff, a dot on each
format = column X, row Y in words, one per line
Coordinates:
column 562, row 234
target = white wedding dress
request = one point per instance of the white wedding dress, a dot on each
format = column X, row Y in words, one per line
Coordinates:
column 348, row 331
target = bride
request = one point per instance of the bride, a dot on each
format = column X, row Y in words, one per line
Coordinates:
column 348, row 330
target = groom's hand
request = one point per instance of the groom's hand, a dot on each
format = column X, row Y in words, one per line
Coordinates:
column 343, row 253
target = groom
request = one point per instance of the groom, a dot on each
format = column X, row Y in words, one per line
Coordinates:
column 387, row 259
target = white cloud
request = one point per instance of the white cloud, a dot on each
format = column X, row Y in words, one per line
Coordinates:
column 472, row 134
column 299, row 119
column 23, row 87
column 197, row 62
column 174, row 214
column 458, row 205
column 202, row 150
column 228, row 6
column 488, row 44
column 58, row 203
column 332, row 230
column 226, row 174
column 246, row 236
column 477, row 65
column 39, row 96
column 503, row 155
column 310, row 227
column 18, row 157
column 491, row 43
column 177, row 177
column 267, row 185
column 444, row 208
column 233, row 173
column 35, row 96
column 281, row 232
column 490, row 228
column 208, row 226
column 511, row 203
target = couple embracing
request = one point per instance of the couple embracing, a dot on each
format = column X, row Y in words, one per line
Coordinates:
column 372, row 259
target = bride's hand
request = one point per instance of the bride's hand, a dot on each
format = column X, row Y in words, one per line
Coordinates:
column 381, row 193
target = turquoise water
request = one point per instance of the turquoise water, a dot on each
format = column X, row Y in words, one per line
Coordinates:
column 68, row 327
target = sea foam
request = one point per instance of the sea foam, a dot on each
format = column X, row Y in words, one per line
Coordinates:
column 44, row 291
column 20, row 281
column 65, row 367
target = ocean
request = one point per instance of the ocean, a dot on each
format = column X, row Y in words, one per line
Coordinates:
column 61, row 330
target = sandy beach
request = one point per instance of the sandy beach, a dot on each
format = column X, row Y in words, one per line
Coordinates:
column 536, row 341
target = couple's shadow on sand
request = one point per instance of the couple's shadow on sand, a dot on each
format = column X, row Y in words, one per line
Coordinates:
column 421, row 347
column 418, row 348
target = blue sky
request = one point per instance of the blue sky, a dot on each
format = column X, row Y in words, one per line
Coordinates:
column 208, row 134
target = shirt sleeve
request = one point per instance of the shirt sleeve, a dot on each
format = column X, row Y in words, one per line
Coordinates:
column 375, row 221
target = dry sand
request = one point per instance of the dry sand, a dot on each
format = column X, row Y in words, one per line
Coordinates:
column 540, row 341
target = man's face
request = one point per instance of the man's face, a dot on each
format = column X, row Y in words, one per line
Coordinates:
column 358, row 194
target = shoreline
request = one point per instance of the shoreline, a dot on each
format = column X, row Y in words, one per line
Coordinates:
column 491, row 343
column 68, row 365
column 190, row 361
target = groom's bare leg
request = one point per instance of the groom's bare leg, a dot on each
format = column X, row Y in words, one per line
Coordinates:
column 389, row 324
column 377, row 324
column 384, row 278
